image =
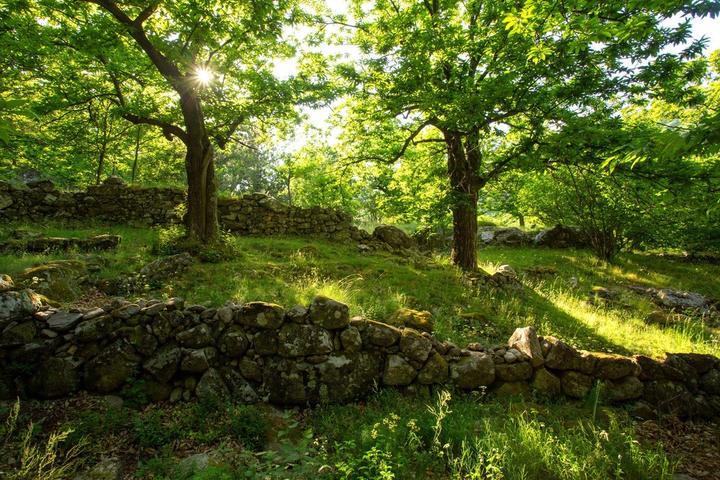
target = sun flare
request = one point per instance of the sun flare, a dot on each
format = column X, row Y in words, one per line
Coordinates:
column 204, row 76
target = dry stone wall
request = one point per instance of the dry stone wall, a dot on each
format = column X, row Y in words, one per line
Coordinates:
column 306, row 355
column 114, row 201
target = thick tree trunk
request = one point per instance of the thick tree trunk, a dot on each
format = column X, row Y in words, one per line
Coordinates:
column 463, row 174
column 202, row 222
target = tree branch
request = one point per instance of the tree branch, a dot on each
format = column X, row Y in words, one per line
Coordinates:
column 411, row 139
column 146, row 13
column 222, row 140
column 166, row 68
column 168, row 129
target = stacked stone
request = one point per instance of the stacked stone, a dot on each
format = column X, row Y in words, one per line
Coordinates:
column 116, row 202
column 258, row 214
column 111, row 201
column 251, row 214
column 306, row 355
column 686, row 384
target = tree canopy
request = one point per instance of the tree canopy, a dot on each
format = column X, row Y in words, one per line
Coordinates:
column 443, row 105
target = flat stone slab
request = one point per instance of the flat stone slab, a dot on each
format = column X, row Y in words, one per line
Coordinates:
column 64, row 321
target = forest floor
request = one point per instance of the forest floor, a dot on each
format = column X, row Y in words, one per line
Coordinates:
column 390, row 435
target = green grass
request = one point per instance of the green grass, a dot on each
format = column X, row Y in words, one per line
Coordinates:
column 391, row 435
column 135, row 249
column 291, row 271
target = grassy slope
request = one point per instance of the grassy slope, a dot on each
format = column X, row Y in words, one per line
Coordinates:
column 393, row 436
column 292, row 270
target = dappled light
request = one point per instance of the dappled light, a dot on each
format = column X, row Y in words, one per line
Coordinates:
column 453, row 240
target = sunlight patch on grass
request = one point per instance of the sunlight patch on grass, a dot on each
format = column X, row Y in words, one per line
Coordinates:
column 630, row 331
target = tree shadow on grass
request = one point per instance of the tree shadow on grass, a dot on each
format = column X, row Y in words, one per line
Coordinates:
column 548, row 319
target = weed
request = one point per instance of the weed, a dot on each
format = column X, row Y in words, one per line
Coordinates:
column 47, row 460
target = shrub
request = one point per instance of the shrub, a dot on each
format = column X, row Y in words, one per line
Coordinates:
column 248, row 425
column 150, row 431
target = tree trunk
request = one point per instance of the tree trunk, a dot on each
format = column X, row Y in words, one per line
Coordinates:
column 101, row 161
column 103, row 149
column 463, row 173
column 521, row 220
column 201, row 220
column 137, row 153
column 287, row 186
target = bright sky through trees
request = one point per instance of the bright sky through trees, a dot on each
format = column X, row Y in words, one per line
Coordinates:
column 318, row 117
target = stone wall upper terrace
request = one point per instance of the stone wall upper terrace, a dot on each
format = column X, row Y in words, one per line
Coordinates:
column 114, row 201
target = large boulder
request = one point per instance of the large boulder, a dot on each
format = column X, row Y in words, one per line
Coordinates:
column 56, row 377
column 329, row 313
column 260, row 315
column 41, row 185
column 114, row 181
column 233, row 342
column 348, row 376
column 628, row 388
column 576, row 384
column 562, row 356
column 5, row 200
column 393, row 236
column 701, row 363
column 670, row 397
column 560, row 236
column 93, row 329
column 546, row 384
column 6, row 283
column 112, row 368
column 380, row 334
column 58, row 279
column 18, row 334
column 351, row 339
column 212, row 386
column 510, row 236
column 415, row 346
column 195, row 337
column 284, row 383
column 473, row 371
column 63, row 321
column 612, row 367
column 514, row 372
column 303, row 340
column 16, row 305
column 198, row 360
column 526, row 341
column 164, row 364
column 398, row 371
column 670, row 298
column 710, row 382
column 417, row 319
column 435, row 370
column 650, row 368
column 240, row 389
